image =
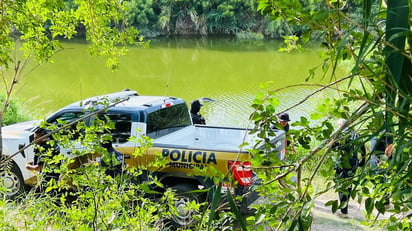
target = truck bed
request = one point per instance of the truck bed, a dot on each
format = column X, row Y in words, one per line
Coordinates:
column 213, row 138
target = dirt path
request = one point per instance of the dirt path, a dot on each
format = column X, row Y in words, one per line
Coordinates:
column 324, row 219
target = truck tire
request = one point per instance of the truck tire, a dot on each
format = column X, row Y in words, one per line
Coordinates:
column 12, row 181
column 184, row 217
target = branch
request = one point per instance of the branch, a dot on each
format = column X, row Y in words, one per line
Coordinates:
column 313, row 93
column 328, row 143
column 9, row 91
column 62, row 128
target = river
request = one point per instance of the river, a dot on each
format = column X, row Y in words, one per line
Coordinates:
column 227, row 70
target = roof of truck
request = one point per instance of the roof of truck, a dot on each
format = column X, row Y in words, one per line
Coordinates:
column 130, row 99
column 126, row 100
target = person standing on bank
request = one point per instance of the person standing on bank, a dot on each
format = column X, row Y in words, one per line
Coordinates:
column 347, row 162
column 283, row 120
column 197, row 118
column 381, row 148
column 381, row 151
column 44, row 151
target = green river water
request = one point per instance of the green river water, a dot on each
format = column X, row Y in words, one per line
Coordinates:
column 225, row 69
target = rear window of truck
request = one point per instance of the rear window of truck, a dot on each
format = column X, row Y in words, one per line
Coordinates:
column 167, row 120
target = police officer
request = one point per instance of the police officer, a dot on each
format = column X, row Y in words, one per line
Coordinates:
column 381, row 149
column 283, row 121
column 347, row 162
column 197, row 118
column 44, row 150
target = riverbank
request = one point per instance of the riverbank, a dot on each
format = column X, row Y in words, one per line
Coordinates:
column 324, row 219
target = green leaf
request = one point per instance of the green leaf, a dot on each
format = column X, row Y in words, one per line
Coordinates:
column 369, row 205
column 235, row 210
column 396, row 23
column 215, row 203
column 334, row 204
column 293, row 225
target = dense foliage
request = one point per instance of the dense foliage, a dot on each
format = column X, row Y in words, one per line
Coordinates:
column 375, row 99
column 222, row 17
column 202, row 17
column 15, row 112
column 36, row 27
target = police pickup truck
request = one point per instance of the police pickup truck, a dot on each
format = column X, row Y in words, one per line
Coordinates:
column 167, row 121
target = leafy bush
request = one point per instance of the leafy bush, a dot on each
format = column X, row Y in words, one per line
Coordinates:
column 249, row 35
column 15, row 112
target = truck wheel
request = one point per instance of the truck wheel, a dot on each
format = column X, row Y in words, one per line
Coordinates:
column 184, row 216
column 12, row 181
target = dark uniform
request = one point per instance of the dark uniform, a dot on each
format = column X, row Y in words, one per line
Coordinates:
column 113, row 160
column 348, row 162
column 378, row 149
column 197, row 118
column 44, row 152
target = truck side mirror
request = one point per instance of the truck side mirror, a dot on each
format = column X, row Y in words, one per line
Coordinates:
column 31, row 138
column 21, row 146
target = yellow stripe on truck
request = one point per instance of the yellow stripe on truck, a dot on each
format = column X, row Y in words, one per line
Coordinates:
column 184, row 160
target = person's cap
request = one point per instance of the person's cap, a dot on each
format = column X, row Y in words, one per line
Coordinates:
column 284, row 117
column 196, row 102
column 40, row 130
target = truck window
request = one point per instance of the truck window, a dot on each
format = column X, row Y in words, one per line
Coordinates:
column 167, row 120
column 123, row 126
column 65, row 118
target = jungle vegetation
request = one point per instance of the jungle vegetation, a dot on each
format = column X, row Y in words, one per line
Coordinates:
column 202, row 18
column 378, row 44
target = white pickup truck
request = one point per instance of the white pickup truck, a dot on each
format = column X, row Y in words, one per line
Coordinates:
column 164, row 119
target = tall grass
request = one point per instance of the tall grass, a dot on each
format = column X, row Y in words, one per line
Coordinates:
column 16, row 112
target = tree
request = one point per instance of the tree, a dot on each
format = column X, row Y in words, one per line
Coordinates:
column 37, row 26
column 378, row 44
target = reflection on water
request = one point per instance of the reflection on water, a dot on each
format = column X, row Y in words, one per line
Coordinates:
column 227, row 70
column 235, row 109
column 229, row 109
